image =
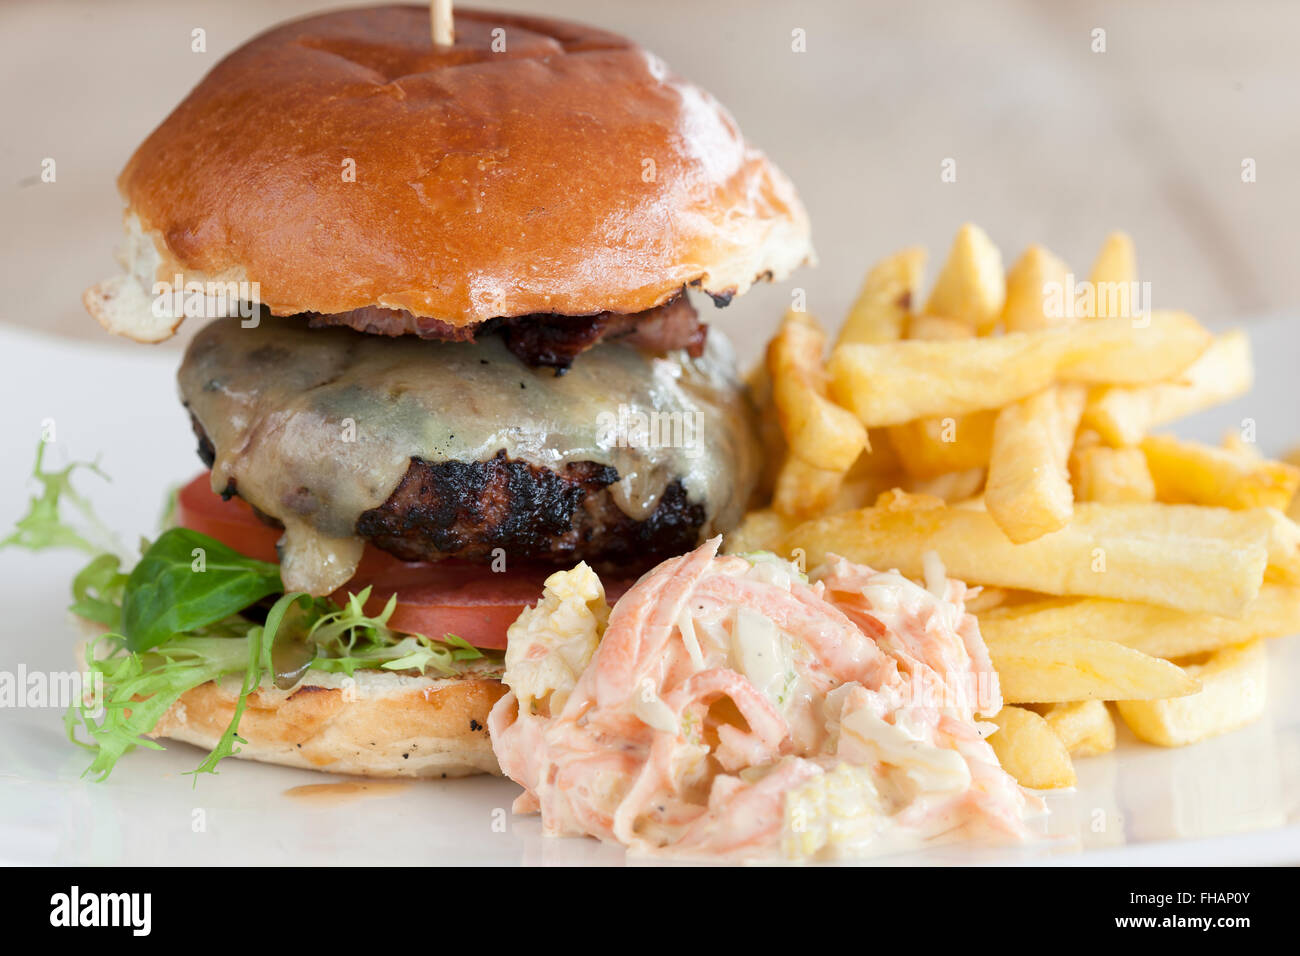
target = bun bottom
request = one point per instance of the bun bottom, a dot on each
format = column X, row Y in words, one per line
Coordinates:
column 374, row 724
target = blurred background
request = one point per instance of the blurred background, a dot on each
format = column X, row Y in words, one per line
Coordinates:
column 1054, row 140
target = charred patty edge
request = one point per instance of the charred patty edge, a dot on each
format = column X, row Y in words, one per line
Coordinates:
column 468, row 510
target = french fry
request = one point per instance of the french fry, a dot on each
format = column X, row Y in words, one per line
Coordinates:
column 760, row 531
column 819, row 432
column 1026, row 304
column 879, row 457
column 1210, row 560
column 987, row 599
column 1028, row 491
column 1234, row 690
column 1205, row 475
column 1030, row 751
column 929, row 447
column 770, row 436
column 888, row 295
column 1155, row 631
column 1069, row 667
column 1111, row 475
column 951, row 487
column 1123, row 351
column 971, row 286
column 938, row 328
column 803, row 490
column 1112, row 278
column 1233, row 441
column 1124, row 415
column 1084, row 726
column 1161, row 522
column 860, row 492
column 896, row 382
column 1283, row 547
column 1293, row 510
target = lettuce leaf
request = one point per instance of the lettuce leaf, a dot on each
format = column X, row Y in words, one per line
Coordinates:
column 187, row 580
column 44, row 526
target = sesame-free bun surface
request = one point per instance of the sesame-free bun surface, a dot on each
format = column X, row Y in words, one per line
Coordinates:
column 379, row 725
column 569, row 172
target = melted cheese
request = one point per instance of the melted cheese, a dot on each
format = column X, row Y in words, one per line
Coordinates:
column 316, row 426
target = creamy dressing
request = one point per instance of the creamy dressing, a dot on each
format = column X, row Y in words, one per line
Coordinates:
column 316, row 426
column 731, row 708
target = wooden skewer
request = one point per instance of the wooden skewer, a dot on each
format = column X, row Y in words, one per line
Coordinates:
column 440, row 14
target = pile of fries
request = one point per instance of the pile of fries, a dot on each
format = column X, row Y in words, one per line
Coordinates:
column 1009, row 429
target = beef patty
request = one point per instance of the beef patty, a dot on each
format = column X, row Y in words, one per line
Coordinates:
column 467, row 510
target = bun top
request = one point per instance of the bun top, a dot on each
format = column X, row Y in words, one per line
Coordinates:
column 343, row 161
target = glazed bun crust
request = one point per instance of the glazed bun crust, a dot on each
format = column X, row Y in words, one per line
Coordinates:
column 343, row 161
column 380, row 725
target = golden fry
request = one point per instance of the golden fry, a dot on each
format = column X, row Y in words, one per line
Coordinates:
column 888, row 295
column 1028, row 491
column 1030, row 751
column 951, row 487
column 971, row 287
column 1234, row 442
column 938, row 328
column 1124, row 415
column 770, row 435
column 1084, row 726
column 760, row 531
column 1205, row 475
column 929, row 447
column 1156, row 631
column 1070, row 667
column 1234, row 690
column 901, row 381
column 803, row 490
column 1113, row 276
column 818, row 431
column 1197, row 559
column 1111, row 475
column 1026, row 304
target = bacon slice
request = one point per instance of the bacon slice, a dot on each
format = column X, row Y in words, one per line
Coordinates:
column 553, row 341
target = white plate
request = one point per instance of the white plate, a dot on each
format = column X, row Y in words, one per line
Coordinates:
column 1235, row 799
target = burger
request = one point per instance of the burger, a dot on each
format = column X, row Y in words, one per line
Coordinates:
column 451, row 347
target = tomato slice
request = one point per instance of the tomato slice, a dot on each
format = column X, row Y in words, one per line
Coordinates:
column 435, row 600
column 447, row 597
column 232, row 522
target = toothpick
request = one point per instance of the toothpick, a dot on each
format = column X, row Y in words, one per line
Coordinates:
column 440, row 14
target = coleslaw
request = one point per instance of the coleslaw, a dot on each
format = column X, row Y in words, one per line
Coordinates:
column 732, row 707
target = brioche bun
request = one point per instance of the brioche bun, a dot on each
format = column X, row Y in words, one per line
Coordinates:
column 379, row 725
column 374, row 724
column 569, row 173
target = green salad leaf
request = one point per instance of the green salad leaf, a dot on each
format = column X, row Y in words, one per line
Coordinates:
column 44, row 527
column 139, row 688
column 97, row 591
column 260, row 641
column 186, row 580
